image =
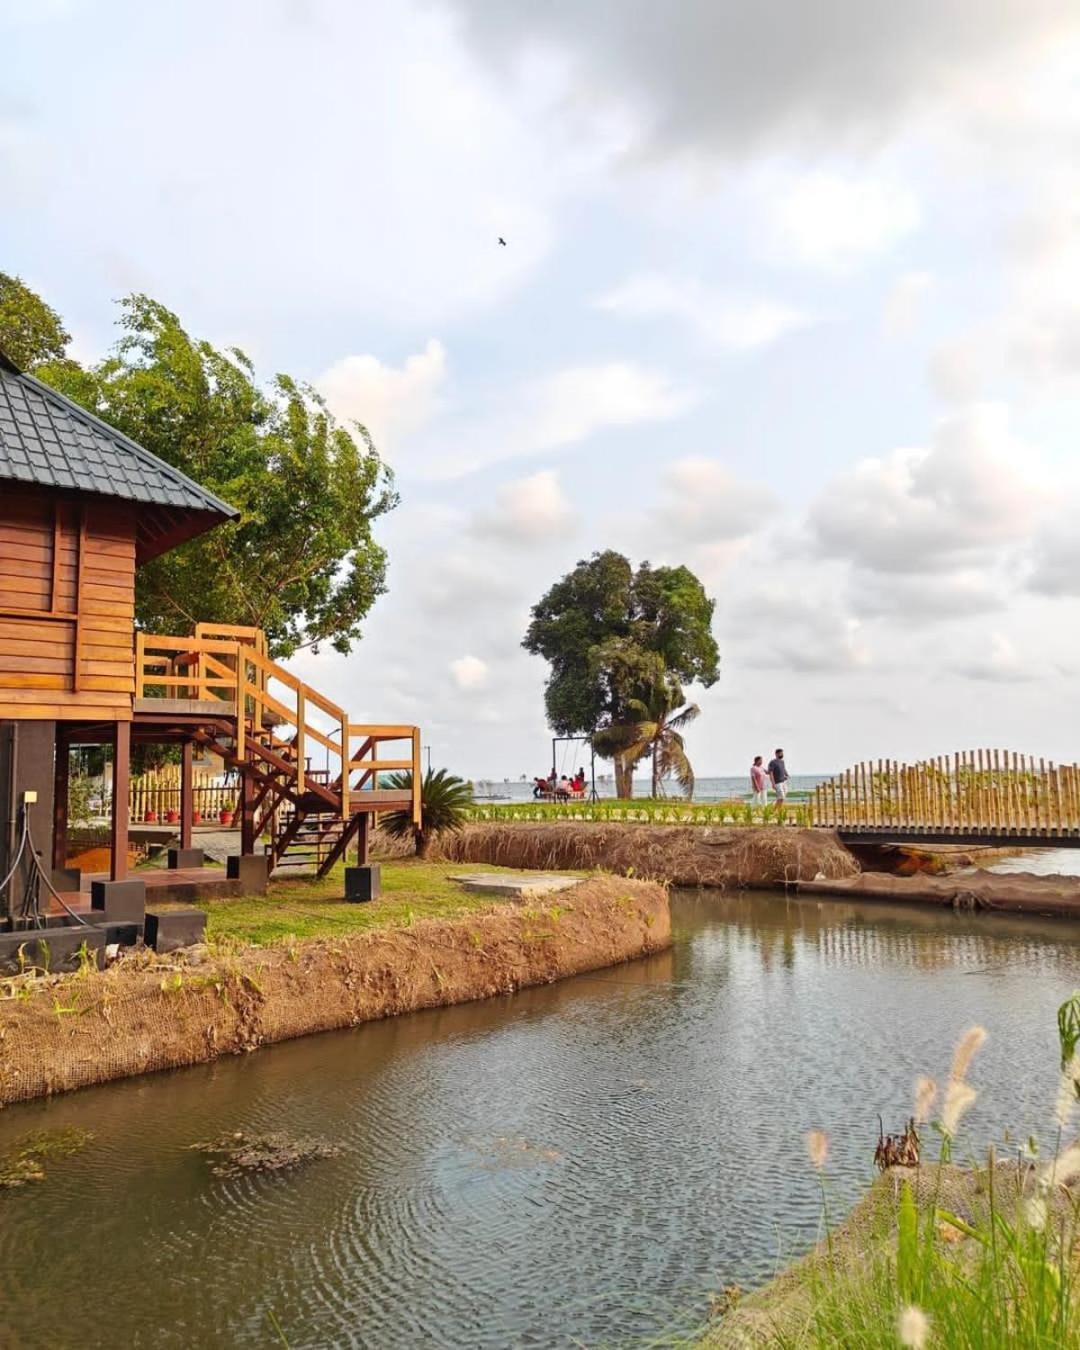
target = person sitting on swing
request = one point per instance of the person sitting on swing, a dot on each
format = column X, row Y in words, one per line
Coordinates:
column 577, row 783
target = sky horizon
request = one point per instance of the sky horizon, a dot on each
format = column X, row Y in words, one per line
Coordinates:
column 789, row 294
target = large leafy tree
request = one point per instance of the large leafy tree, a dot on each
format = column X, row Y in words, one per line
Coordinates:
column 302, row 561
column 30, row 330
column 616, row 640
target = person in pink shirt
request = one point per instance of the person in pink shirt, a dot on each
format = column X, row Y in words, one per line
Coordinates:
column 758, row 782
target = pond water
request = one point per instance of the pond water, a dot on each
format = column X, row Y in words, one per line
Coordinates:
column 579, row 1164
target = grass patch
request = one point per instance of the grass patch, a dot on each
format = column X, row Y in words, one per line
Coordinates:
column 939, row 1255
column 646, row 811
column 308, row 908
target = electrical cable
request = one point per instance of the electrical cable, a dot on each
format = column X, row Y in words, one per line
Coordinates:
column 18, row 851
column 30, row 906
column 51, row 888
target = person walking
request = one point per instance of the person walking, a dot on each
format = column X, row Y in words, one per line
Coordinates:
column 758, row 781
column 778, row 776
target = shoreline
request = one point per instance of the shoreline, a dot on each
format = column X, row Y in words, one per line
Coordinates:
column 806, row 862
column 146, row 1013
column 992, row 892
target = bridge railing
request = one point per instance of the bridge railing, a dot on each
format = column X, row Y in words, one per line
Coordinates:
column 992, row 792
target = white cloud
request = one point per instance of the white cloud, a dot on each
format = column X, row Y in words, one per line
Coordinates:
column 836, row 223
column 470, row 673
column 721, row 321
column 1000, row 664
column 737, row 78
column 574, row 403
column 921, row 510
column 905, row 303
column 927, row 598
column 958, row 369
column 703, row 502
column 1056, row 556
column 558, row 410
column 529, row 511
column 780, row 626
column 392, row 402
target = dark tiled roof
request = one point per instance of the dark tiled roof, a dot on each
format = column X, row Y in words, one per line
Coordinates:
column 49, row 441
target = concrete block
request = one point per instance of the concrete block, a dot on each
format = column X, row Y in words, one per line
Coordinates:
column 119, row 901
column 123, row 934
column 252, row 870
column 186, row 857
column 66, row 879
column 175, row 928
column 52, row 949
column 521, row 885
column 363, row 883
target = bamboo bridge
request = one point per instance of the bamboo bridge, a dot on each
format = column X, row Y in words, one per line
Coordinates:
column 970, row 797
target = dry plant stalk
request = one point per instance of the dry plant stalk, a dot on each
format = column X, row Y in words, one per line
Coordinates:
column 897, row 1150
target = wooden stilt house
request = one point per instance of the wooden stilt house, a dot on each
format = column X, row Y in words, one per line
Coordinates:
column 82, row 507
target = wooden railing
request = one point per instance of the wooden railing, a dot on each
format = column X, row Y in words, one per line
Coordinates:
column 228, row 666
column 992, row 793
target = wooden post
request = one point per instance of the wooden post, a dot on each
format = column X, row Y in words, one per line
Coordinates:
column 247, row 812
column 363, row 839
column 301, row 749
column 60, row 797
column 187, row 795
column 417, row 779
column 346, row 768
column 120, row 809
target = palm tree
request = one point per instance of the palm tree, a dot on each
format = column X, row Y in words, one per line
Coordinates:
column 659, row 717
column 443, row 799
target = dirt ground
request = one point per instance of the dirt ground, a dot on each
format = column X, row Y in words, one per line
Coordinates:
column 1016, row 892
column 692, row 855
column 146, row 1012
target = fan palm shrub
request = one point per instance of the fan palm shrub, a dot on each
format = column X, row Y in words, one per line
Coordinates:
column 443, row 800
column 658, row 716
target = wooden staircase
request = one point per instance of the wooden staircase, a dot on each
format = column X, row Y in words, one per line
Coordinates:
column 268, row 725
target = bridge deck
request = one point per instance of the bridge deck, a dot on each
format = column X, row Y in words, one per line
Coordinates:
column 972, row 797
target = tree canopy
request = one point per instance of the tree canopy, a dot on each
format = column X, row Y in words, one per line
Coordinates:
column 302, row 561
column 30, row 330
column 617, row 640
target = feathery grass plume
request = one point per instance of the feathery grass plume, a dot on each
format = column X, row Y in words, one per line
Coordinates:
column 966, row 1049
column 958, row 1097
column 1061, row 1170
column 817, row 1146
column 925, row 1094
column 1067, row 1093
column 1035, row 1213
column 913, row 1327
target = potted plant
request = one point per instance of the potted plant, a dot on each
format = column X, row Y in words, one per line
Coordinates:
column 172, row 816
column 150, row 816
column 196, row 816
column 225, row 815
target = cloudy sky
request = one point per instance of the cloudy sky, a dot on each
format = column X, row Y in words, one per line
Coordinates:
column 791, row 294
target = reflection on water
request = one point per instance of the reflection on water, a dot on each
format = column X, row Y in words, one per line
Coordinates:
column 579, row 1163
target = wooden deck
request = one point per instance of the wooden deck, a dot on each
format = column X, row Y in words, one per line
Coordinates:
column 181, row 885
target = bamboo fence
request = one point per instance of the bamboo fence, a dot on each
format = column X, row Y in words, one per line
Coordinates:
column 983, row 792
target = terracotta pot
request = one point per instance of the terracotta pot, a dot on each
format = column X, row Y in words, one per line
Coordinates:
column 225, row 817
column 150, row 818
column 196, row 817
column 171, row 817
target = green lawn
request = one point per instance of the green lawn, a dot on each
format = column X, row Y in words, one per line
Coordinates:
column 306, row 908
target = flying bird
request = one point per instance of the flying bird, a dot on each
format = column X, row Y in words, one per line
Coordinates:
column 502, row 241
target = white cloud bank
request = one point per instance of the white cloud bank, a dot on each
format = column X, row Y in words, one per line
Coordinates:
column 720, row 321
